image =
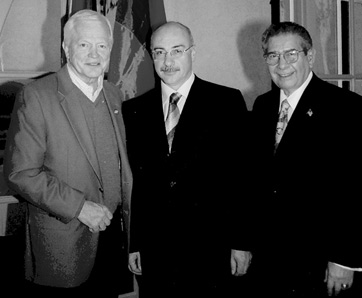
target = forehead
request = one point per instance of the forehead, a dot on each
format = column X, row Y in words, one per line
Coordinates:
column 91, row 29
column 170, row 36
column 283, row 42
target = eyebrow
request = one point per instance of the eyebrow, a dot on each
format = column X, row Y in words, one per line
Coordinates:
column 174, row 47
column 273, row 52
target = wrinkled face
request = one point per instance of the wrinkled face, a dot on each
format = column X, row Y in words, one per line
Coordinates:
column 289, row 77
column 173, row 71
column 89, row 49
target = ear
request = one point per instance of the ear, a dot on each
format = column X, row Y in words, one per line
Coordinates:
column 66, row 50
column 311, row 56
column 193, row 53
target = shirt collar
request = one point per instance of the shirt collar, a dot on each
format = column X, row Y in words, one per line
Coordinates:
column 294, row 98
column 85, row 88
column 183, row 90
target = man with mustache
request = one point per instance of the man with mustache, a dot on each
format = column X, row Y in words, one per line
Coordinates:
column 186, row 188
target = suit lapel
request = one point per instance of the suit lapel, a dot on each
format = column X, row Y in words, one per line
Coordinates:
column 190, row 126
column 302, row 115
column 114, row 107
column 73, row 110
column 155, row 116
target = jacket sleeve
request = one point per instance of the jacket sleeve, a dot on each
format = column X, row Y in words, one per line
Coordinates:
column 24, row 168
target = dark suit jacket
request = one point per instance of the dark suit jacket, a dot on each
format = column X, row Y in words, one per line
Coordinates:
column 50, row 160
column 182, row 202
column 308, row 189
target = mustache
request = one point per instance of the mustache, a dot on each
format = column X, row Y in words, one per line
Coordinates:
column 169, row 69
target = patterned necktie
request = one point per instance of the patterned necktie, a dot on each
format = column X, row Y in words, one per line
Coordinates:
column 282, row 122
column 172, row 117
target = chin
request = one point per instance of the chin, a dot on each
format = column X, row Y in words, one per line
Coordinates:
column 94, row 74
column 169, row 80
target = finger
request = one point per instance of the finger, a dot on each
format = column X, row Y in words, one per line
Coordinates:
column 337, row 288
column 138, row 262
column 233, row 267
column 107, row 213
column 94, row 230
column 134, row 267
column 241, row 270
column 102, row 226
column 107, row 221
column 326, row 276
column 135, row 271
column 330, row 286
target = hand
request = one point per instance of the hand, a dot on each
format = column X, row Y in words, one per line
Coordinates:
column 96, row 216
column 240, row 261
column 338, row 278
column 134, row 263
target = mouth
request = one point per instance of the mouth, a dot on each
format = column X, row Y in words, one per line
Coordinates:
column 285, row 75
column 169, row 70
column 93, row 64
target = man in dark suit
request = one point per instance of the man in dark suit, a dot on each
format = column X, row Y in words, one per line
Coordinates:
column 189, row 195
column 306, row 169
column 66, row 156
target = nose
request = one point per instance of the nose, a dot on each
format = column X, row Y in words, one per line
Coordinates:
column 168, row 60
column 93, row 52
column 282, row 63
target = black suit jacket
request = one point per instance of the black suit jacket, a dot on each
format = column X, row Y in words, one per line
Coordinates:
column 309, row 187
column 182, row 202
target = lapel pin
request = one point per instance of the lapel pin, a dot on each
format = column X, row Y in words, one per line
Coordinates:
column 310, row 112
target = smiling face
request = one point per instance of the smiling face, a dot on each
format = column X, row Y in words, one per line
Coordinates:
column 88, row 50
column 173, row 71
column 289, row 77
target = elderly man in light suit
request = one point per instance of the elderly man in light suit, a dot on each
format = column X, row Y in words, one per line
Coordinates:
column 66, row 156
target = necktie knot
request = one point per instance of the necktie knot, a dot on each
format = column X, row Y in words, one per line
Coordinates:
column 284, row 109
column 174, row 98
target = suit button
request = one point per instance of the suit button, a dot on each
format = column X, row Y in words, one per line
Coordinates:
column 172, row 183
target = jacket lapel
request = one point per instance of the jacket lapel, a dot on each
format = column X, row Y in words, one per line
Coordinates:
column 114, row 107
column 73, row 110
column 154, row 113
column 189, row 129
column 302, row 115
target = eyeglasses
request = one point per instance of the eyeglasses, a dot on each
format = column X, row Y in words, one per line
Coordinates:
column 289, row 56
column 175, row 53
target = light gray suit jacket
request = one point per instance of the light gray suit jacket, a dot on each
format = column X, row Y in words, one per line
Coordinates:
column 51, row 162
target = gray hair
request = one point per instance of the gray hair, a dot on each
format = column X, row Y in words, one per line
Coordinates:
column 83, row 15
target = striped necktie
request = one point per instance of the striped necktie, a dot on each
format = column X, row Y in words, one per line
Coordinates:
column 282, row 122
column 172, row 118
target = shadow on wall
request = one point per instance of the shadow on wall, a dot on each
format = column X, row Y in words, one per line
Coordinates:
column 253, row 64
column 51, row 38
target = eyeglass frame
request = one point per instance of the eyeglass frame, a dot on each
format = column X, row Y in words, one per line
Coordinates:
column 283, row 54
column 164, row 53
